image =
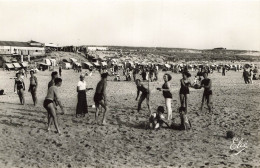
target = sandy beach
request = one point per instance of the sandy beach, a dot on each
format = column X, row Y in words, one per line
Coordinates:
column 125, row 141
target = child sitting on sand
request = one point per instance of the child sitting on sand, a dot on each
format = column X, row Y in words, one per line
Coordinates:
column 185, row 123
column 157, row 119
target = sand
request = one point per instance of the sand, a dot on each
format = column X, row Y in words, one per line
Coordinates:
column 125, row 141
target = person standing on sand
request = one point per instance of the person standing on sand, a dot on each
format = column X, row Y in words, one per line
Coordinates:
column 224, row 71
column 19, row 85
column 246, row 76
column 207, row 94
column 82, row 105
column 145, row 95
column 54, row 75
column 33, row 87
column 166, row 89
column 184, row 91
column 60, row 70
column 100, row 97
column 50, row 106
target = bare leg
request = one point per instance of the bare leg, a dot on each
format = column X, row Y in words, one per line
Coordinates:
column 97, row 110
column 140, row 102
column 148, row 104
column 53, row 116
column 186, row 100
column 203, row 97
column 104, row 114
column 182, row 100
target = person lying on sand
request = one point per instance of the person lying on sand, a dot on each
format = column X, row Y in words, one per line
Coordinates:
column 50, row 106
column 145, row 95
column 156, row 119
column 100, row 97
column 206, row 83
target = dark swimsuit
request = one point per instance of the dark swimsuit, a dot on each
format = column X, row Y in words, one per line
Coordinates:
column 19, row 84
column 185, row 89
column 205, row 82
column 46, row 103
column 99, row 96
column 144, row 91
column 166, row 94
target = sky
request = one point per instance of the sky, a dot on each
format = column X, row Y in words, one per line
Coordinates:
column 148, row 23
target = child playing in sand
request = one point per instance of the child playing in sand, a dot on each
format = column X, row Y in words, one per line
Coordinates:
column 50, row 106
column 185, row 123
column 157, row 119
column 145, row 94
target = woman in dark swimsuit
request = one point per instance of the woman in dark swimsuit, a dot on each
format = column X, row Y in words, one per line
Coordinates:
column 167, row 94
column 145, row 94
column 184, row 91
column 19, row 85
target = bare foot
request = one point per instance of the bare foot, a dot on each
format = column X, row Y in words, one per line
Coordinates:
column 104, row 123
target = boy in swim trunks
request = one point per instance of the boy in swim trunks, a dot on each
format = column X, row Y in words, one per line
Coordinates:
column 50, row 106
column 100, row 97
column 33, row 87
column 145, row 94
column 206, row 83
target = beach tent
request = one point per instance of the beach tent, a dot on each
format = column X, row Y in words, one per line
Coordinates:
column 53, row 62
column 167, row 65
column 24, row 64
column 9, row 66
column 47, row 61
column 86, row 65
column 96, row 64
column 77, row 64
column 73, row 59
column 43, row 66
column 66, row 65
column 103, row 63
column 16, row 65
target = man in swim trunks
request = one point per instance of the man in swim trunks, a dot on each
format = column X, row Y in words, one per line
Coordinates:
column 50, row 106
column 100, row 97
column 207, row 95
column 33, row 87
column 145, row 94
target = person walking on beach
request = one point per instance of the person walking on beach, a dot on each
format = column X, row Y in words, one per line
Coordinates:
column 19, row 85
column 145, row 95
column 50, row 106
column 100, row 97
column 82, row 105
column 184, row 91
column 60, row 70
column 166, row 89
column 206, row 83
column 33, row 87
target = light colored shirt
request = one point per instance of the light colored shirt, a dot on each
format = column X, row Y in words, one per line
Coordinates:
column 82, row 85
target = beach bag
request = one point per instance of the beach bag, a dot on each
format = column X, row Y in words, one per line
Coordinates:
column 185, row 122
column 2, row 92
